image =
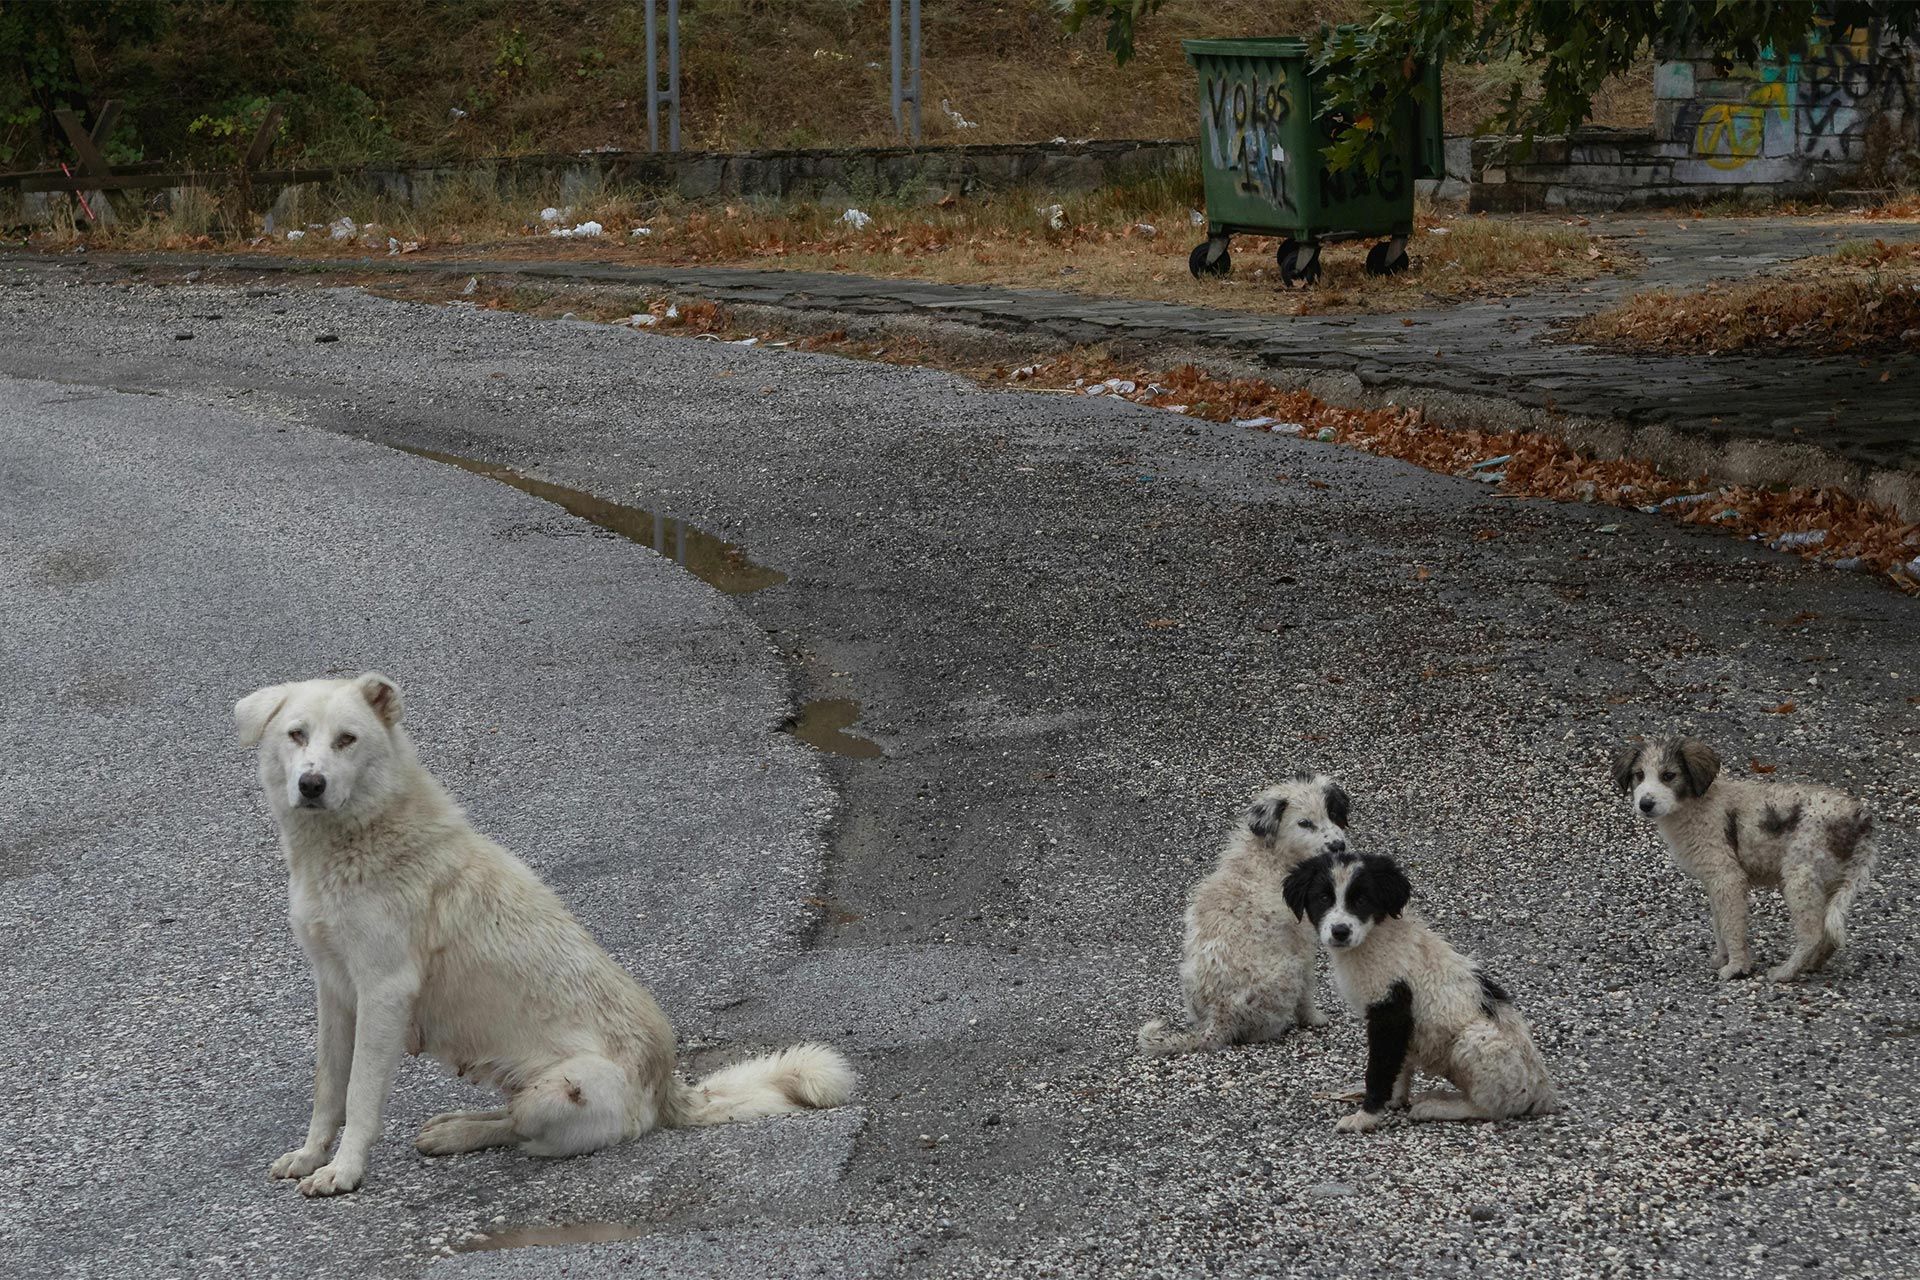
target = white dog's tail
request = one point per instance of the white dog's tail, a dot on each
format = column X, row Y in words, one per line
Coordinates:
column 1158, row 1040
column 802, row 1078
column 1857, row 836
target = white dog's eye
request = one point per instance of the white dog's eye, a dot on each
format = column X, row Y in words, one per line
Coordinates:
column 1306, row 825
column 1639, row 775
column 1666, row 775
column 344, row 741
column 299, row 736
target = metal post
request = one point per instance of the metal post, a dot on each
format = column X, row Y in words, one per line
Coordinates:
column 673, row 72
column 653, row 83
column 899, row 122
column 906, row 75
column 913, row 61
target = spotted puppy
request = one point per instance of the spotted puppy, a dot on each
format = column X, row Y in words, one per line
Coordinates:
column 1247, row 963
column 1428, row 1007
column 1732, row 833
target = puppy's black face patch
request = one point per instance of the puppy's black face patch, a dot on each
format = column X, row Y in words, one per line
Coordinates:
column 1378, row 889
column 1696, row 765
column 1308, row 889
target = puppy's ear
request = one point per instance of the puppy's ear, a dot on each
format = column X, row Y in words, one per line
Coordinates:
column 382, row 694
column 1263, row 817
column 1699, row 764
column 1389, row 883
column 1299, row 883
column 1623, row 761
column 1338, row 804
column 253, row 713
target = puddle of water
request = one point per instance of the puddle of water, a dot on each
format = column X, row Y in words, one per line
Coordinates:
column 718, row 564
column 819, row 724
column 535, row 1237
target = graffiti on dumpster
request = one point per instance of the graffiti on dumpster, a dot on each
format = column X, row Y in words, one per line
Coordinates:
column 1245, row 113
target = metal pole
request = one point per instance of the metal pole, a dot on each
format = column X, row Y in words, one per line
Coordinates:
column 899, row 121
column 673, row 72
column 653, row 82
column 914, row 61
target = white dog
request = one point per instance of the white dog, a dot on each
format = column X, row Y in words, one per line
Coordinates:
column 1731, row 833
column 1427, row 1006
column 1247, row 964
column 426, row 937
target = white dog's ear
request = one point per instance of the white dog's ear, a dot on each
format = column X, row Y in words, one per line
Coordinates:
column 253, row 713
column 382, row 694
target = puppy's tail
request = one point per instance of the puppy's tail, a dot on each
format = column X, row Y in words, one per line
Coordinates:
column 803, row 1078
column 1854, row 834
column 1158, row 1040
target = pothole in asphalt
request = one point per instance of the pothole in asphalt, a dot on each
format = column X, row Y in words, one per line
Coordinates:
column 534, row 1237
column 821, row 724
column 717, row 563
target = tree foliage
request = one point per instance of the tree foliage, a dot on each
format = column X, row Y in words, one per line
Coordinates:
column 1571, row 46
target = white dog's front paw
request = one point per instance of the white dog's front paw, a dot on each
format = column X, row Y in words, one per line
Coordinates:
column 330, row 1180
column 1358, row 1122
column 1783, row 972
column 1313, row 1018
column 1734, row 969
column 298, row 1163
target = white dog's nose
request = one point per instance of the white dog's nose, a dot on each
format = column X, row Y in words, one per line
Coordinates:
column 1646, row 804
column 312, row 786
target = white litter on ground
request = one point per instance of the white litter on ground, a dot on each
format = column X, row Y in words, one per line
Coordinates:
column 1114, row 386
column 473, row 283
column 1146, row 229
column 342, row 228
column 1056, row 216
column 551, row 214
column 1806, row 538
column 955, row 118
column 1196, row 217
column 296, row 235
column 584, row 229
column 640, row 231
column 858, row 219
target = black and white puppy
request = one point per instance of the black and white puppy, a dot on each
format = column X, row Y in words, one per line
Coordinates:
column 1732, row 833
column 1427, row 1007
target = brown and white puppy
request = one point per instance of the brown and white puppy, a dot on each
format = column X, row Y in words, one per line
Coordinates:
column 1428, row 1008
column 1247, row 964
column 1731, row 833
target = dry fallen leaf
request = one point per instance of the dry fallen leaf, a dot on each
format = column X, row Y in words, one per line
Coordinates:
column 1784, row 709
column 1758, row 767
column 1160, row 624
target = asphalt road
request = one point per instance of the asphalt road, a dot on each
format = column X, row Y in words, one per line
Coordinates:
column 1080, row 630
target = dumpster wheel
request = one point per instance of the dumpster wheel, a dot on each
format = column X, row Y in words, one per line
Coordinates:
column 1388, row 258
column 1210, row 258
column 1299, row 264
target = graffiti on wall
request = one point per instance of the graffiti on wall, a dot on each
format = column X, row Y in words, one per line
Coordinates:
column 1818, row 104
column 1245, row 115
column 1847, row 80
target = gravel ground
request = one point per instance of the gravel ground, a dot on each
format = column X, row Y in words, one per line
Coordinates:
column 1083, row 631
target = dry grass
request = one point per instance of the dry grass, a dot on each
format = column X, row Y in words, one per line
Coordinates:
column 380, row 82
column 1865, row 296
column 1126, row 241
column 1824, row 525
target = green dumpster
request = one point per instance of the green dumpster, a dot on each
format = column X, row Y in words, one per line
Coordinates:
column 1261, row 160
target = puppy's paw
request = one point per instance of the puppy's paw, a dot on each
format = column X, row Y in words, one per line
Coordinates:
column 1313, row 1018
column 1358, row 1122
column 1735, row 969
column 330, row 1180
column 298, row 1163
column 1783, row 972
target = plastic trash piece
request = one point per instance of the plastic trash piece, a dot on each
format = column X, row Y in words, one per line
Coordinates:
column 858, row 219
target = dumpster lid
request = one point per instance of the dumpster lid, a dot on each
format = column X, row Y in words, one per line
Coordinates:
column 1248, row 47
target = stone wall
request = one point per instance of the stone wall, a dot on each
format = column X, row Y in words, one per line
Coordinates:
column 1844, row 112
column 867, row 173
